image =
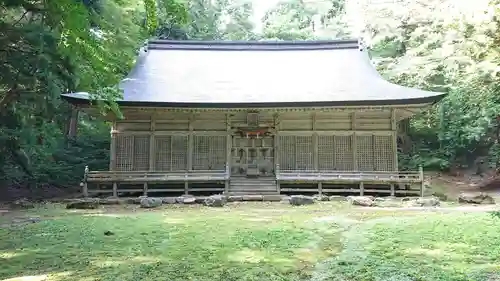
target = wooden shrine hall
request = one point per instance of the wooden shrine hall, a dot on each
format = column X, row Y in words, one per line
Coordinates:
column 256, row 118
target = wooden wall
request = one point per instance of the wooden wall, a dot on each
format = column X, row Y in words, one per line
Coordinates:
column 305, row 140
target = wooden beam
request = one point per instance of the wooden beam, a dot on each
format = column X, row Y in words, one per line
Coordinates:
column 229, row 156
column 73, row 123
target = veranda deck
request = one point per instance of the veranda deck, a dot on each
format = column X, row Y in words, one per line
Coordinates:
column 392, row 183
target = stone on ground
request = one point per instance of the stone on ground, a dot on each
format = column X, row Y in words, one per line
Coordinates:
column 85, row 204
column 299, row 200
column 169, row 200
column 215, row 201
column 186, row 199
column 318, row 197
column 476, row 198
column 426, row 202
column 365, row 201
column 338, row 198
column 387, row 202
column 150, row 202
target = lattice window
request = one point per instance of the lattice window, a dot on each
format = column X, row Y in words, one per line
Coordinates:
column 141, row 153
column 384, row 153
column 296, row 153
column 326, row 153
column 171, row 153
column 124, row 153
column 162, row 153
column 304, row 150
column 287, row 152
column 364, row 150
column 132, row 153
column 344, row 160
column 209, row 152
column 179, row 145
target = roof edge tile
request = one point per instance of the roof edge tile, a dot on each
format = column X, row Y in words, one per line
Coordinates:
column 253, row 45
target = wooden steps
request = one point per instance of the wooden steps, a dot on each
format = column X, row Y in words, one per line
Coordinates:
column 252, row 186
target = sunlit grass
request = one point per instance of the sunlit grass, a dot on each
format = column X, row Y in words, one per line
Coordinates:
column 250, row 241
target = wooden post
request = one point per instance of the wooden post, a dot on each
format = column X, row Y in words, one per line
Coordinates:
column 229, row 146
column 186, row 187
column 394, row 129
column 320, row 188
column 315, row 144
column 226, row 182
column 422, row 187
column 152, row 146
column 85, row 189
column 115, row 189
column 145, row 189
column 278, row 188
column 190, row 144
column 354, row 142
column 73, row 123
column 112, row 150
column 393, row 191
column 361, row 189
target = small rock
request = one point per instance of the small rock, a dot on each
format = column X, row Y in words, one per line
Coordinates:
column 23, row 203
column 235, row 198
column 169, row 200
column 366, row 201
column 272, row 197
column 318, row 197
column 338, row 198
column 150, row 202
column 108, row 233
column 427, row 202
column 299, row 200
column 386, row 202
column 476, row 198
column 186, row 199
column 253, row 197
column 215, row 201
column 83, row 205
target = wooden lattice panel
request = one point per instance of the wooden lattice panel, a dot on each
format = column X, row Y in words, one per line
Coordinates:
column 296, row 153
column 344, row 160
column 304, row 150
column 141, row 153
column 209, row 152
column 326, row 153
column 162, row 153
column 287, row 152
column 132, row 153
column 364, row 153
column 384, row 153
column 124, row 153
column 179, row 157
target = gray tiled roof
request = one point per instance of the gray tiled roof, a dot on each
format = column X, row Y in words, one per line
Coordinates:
column 190, row 73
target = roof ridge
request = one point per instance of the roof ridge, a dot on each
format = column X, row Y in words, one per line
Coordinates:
column 254, row 45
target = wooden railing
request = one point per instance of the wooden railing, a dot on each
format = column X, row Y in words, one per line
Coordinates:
column 350, row 176
column 155, row 176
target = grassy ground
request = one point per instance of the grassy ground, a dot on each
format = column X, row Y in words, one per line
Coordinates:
column 251, row 241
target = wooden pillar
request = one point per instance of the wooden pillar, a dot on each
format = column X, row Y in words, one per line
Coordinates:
column 112, row 149
column 394, row 128
column 229, row 156
column 73, row 123
column 361, row 189
column 85, row 189
column 190, row 144
column 421, row 176
column 320, row 188
column 315, row 143
column 115, row 189
column 152, row 146
column 276, row 143
column 393, row 191
column 354, row 142
column 145, row 187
